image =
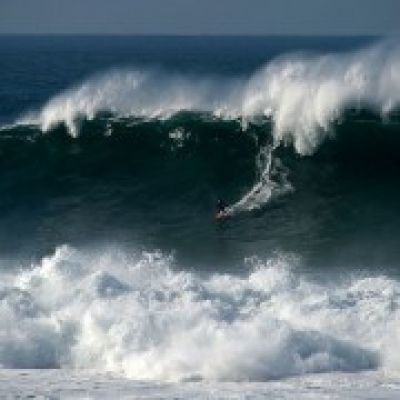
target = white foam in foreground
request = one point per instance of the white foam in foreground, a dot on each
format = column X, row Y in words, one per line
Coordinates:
column 67, row 384
column 139, row 317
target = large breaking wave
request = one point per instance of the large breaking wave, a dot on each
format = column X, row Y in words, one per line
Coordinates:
column 299, row 99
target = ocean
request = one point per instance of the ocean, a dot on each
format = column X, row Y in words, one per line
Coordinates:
column 113, row 154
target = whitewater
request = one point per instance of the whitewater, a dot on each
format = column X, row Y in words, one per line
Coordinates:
column 136, row 316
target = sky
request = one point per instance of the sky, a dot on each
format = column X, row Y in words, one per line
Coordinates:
column 201, row 17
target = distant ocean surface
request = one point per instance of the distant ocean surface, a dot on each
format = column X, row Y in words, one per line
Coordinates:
column 113, row 154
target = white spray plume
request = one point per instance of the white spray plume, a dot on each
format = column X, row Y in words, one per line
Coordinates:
column 302, row 94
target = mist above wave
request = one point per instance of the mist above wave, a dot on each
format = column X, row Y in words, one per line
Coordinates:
column 302, row 93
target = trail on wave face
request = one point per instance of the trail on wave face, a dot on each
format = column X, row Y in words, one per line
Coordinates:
column 138, row 315
column 303, row 95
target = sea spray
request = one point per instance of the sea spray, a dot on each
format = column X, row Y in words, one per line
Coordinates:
column 303, row 94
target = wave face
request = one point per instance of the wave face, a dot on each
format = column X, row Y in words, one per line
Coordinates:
column 134, row 314
column 156, row 182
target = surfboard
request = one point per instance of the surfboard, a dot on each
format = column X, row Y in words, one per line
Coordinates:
column 221, row 215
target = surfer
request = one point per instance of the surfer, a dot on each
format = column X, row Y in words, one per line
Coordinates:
column 221, row 206
column 221, row 209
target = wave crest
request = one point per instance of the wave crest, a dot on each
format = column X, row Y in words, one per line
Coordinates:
column 303, row 94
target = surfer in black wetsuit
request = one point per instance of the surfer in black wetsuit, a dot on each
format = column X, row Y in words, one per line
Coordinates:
column 222, row 210
column 221, row 206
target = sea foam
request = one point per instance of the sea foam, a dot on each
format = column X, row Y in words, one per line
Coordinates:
column 139, row 315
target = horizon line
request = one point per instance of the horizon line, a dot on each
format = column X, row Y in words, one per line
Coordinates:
column 228, row 35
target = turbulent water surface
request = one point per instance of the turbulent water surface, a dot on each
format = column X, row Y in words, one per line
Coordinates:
column 113, row 153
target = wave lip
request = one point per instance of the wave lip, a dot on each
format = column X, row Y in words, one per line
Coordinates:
column 138, row 316
column 147, row 94
column 303, row 94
